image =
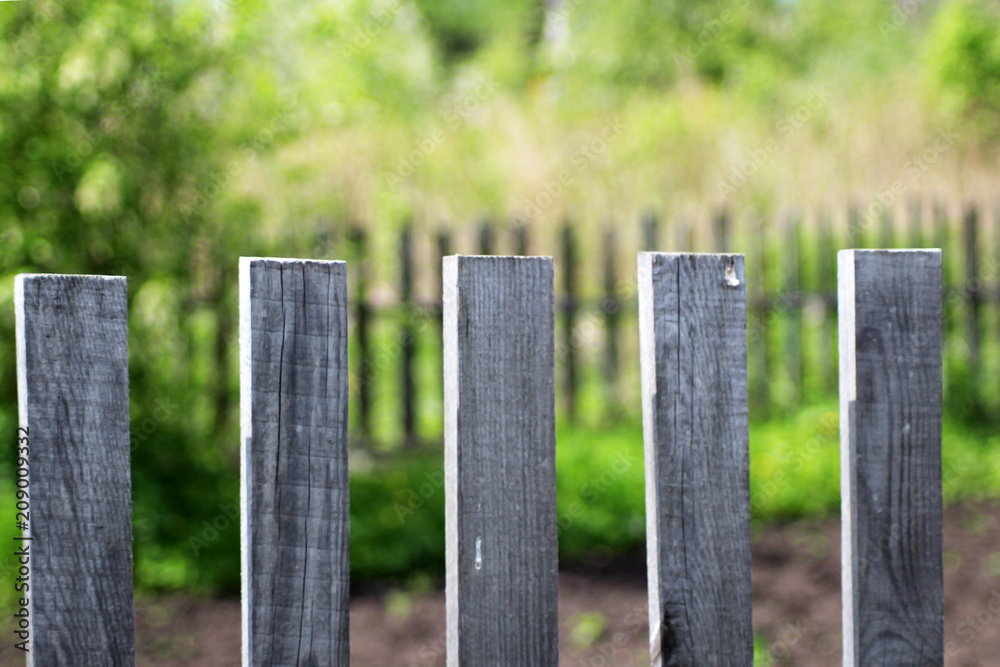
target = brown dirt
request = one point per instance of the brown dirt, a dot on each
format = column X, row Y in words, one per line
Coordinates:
column 796, row 593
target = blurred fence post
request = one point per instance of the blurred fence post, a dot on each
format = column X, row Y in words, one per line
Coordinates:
column 407, row 334
column 72, row 378
column 890, row 418
column 886, row 230
column 569, row 306
column 487, row 237
column 650, row 231
column 692, row 330
column 611, row 310
column 916, row 224
column 520, row 238
column 722, row 230
column 294, row 493
column 500, row 485
column 792, row 302
column 972, row 293
column 994, row 273
column 362, row 314
column 758, row 325
column 826, row 257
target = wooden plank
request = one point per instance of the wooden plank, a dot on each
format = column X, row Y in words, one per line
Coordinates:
column 993, row 282
column 762, row 318
column 568, row 309
column 500, row 484
column 886, row 230
column 826, row 255
column 294, row 495
column 722, row 225
column 890, row 417
column 521, row 238
column 612, row 316
column 916, row 224
column 973, row 294
column 683, row 233
column 407, row 336
column 792, row 305
column 443, row 250
column 650, row 231
column 366, row 368
column 692, row 332
column 72, row 374
column 487, row 237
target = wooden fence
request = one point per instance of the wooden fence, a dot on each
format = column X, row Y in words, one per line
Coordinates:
column 500, row 348
column 791, row 308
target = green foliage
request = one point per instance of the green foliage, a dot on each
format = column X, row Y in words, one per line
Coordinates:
column 460, row 28
column 587, row 628
column 637, row 42
column 397, row 519
column 762, row 652
column 963, row 53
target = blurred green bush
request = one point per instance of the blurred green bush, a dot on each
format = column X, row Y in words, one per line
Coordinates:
column 963, row 54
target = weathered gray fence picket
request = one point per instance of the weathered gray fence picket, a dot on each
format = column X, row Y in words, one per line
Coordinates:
column 693, row 352
column 295, row 523
column 499, row 459
column 890, row 418
column 500, row 483
column 72, row 374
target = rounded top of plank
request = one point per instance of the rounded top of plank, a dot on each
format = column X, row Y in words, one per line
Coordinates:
column 42, row 276
column 527, row 257
column 690, row 254
column 895, row 250
column 290, row 260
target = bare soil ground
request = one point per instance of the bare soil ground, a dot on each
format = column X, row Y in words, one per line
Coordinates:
column 796, row 597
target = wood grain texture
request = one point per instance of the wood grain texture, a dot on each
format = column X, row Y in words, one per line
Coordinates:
column 890, row 419
column 295, row 523
column 72, row 366
column 692, row 330
column 500, row 483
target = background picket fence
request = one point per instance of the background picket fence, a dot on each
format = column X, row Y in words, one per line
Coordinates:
column 395, row 307
column 500, row 349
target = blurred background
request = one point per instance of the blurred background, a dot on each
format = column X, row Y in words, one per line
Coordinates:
column 161, row 140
